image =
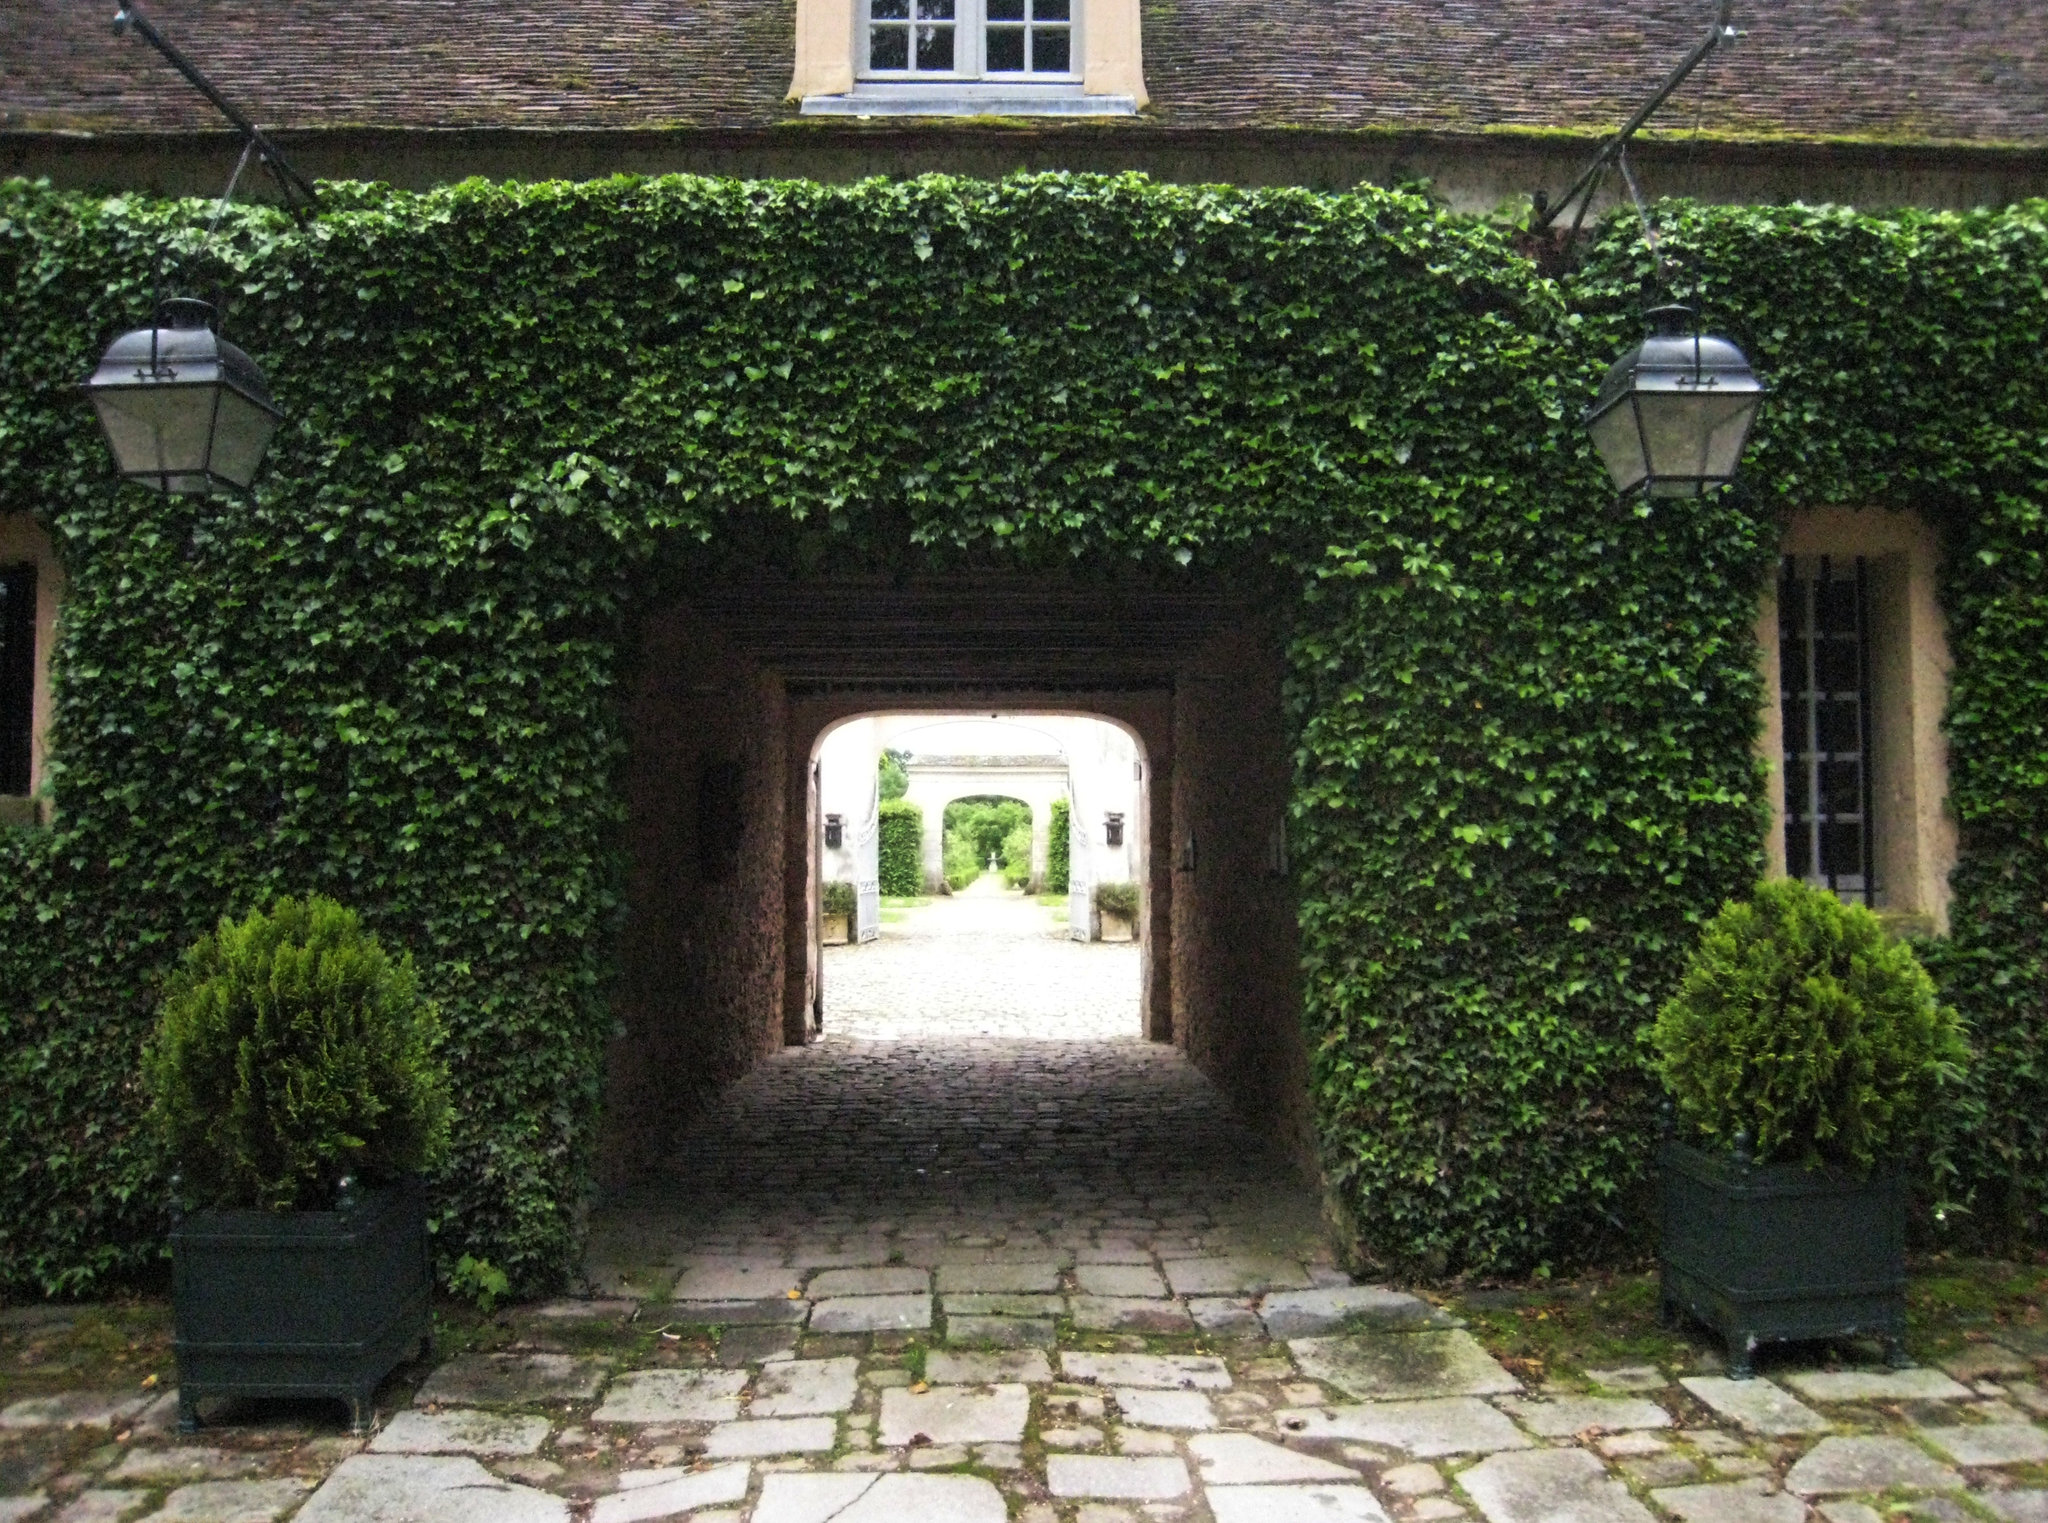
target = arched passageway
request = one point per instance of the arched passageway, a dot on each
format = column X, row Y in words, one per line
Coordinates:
column 1013, row 952
column 720, row 992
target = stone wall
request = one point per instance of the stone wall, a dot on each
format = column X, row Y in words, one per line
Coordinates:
column 1470, row 174
column 1237, row 960
column 702, row 957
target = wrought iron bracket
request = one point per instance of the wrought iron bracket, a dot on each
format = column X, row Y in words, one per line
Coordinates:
column 1587, row 185
column 299, row 196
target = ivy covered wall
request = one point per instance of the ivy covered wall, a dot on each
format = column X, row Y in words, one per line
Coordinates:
column 1522, row 716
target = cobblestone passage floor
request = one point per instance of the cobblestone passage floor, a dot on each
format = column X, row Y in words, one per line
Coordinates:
column 984, row 963
column 912, row 1144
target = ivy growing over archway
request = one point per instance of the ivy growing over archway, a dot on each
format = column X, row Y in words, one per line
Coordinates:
column 1523, row 716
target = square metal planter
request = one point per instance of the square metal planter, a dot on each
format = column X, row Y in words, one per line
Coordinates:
column 1767, row 1253
column 305, row 1303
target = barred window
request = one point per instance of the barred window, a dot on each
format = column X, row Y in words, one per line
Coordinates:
column 969, row 39
column 1824, row 650
column 17, row 676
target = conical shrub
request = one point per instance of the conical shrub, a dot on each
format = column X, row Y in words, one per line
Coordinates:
column 1804, row 1025
column 293, row 1051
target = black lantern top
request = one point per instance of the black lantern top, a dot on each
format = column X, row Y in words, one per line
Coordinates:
column 1675, row 411
column 184, row 410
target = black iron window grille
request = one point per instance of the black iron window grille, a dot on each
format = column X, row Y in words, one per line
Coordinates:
column 1824, row 677
column 17, row 675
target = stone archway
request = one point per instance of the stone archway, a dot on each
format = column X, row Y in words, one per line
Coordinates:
column 936, row 781
column 741, row 679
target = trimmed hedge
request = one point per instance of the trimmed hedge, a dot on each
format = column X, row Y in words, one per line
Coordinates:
column 1522, row 717
column 1059, row 848
column 902, row 849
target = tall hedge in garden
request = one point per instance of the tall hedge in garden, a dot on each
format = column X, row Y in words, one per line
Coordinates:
column 1522, row 717
column 902, row 848
column 1059, row 847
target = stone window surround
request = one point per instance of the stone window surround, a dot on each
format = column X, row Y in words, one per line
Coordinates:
column 23, row 539
column 1109, row 40
column 1909, row 667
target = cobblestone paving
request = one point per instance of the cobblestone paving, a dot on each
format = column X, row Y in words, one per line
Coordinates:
column 984, row 963
column 967, row 1281
column 846, row 1144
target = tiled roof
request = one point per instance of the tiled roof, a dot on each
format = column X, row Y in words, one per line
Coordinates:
column 1972, row 71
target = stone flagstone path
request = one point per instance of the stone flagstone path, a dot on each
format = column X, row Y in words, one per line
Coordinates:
column 968, row 1281
column 1382, row 1411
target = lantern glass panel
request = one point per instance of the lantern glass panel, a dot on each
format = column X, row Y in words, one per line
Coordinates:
column 1675, row 438
column 1695, row 437
column 1728, row 425
column 159, row 432
column 240, row 437
column 1620, row 444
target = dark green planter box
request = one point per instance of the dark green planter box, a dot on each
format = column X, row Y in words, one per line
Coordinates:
column 1767, row 1253
column 306, row 1303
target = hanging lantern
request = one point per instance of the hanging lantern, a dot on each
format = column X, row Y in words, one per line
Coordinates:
column 1674, row 413
column 184, row 410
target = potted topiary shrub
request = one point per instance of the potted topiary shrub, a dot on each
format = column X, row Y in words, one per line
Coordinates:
column 1805, row 1052
column 1116, row 911
column 836, row 902
column 296, row 1083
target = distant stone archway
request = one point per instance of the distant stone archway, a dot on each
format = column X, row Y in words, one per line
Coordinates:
column 936, row 781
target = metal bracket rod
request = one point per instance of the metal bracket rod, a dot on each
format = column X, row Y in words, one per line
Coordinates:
column 298, row 192
column 1547, row 211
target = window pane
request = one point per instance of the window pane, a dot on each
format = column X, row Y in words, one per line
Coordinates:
column 1049, row 51
column 1841, row 788
column 1835, row 606
column 1841, row 851
column 1798, row 844
column 935, row 47
column 1051, row 10
column 889, row 10
column 1006, row 10
column 934, row 10
column 1006, row 50
column 889, row 47
column 1839, row 726
column 1837, row 665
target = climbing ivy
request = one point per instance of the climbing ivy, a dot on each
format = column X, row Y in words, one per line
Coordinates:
column 1523, row 717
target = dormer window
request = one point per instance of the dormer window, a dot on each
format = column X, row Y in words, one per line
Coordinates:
column 1014, row 40
column 931, row 58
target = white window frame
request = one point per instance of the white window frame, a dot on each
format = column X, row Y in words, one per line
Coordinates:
column 970, row 52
